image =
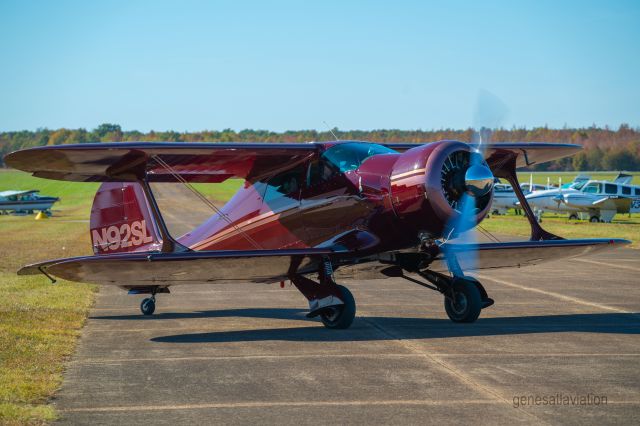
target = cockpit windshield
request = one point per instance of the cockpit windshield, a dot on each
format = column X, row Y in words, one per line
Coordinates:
column 350, row 155
column 578, row 185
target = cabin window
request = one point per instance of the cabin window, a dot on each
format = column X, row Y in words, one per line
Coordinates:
column 348, row 156
column 592, row 188
column 610, row 188
column 320, row 171
column 285, row 184
column 637, row 191
column 626, row 190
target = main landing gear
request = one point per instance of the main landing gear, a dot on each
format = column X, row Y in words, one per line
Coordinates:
column 464, row 302
column 464, row 297
column 340, row 316
column 333, row 303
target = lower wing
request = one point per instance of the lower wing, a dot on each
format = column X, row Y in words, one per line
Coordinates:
column 163, row 269
column 621, row 204
column 482, row 256
column 523, row 253
column 269, row 266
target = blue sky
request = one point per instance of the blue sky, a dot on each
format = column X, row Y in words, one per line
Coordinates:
column 277, row 65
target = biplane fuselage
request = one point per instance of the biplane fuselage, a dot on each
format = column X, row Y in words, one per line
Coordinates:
column 310, row 204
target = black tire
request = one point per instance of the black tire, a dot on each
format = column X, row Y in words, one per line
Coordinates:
column 594, row 219
column 148, row 306
column 468, row 302
column 573, row 217
column 341, row 316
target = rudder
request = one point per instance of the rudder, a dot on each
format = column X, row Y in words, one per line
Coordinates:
column 122, row 220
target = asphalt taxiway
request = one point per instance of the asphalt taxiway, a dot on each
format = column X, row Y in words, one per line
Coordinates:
column 566, row 333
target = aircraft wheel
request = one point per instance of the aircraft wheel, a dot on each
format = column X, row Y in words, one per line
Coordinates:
column 573, row 217
column 594, row 219
column 148, row 306
column 466, row 304
column 341, row 316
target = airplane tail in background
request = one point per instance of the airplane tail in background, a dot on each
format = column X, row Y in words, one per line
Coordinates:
column 122, row 220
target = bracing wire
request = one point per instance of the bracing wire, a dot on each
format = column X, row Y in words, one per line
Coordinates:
column 205, row 200
column 488, row 234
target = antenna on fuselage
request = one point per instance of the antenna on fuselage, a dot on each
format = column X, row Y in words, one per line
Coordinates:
column 330, row 130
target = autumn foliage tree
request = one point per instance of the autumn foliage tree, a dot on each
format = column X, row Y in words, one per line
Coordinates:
column 604, row 148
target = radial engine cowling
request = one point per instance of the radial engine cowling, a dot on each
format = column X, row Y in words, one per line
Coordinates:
column 429, row 182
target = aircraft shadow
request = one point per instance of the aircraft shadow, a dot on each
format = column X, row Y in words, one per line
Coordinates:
column 390, row 328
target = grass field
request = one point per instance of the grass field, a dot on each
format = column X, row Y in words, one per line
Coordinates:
column 40, row 322
column 622, row 226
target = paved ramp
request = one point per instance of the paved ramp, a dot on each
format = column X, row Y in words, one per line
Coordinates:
column 246, row 354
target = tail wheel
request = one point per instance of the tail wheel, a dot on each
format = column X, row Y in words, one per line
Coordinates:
column 148, row 306
column 341, row 316
column 466, row 302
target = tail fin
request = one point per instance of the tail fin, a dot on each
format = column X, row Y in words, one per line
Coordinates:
column 121, row 220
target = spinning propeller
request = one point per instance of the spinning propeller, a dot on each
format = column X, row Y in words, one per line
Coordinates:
column 468, row 182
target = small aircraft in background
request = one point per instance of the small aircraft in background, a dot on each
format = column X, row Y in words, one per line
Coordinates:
column 504, row 197
column 596, row 200
column 311, row 213
column 26, row 202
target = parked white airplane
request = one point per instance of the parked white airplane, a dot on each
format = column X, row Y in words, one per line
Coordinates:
column 504, row 198
column 596, row 200
column 25, row 201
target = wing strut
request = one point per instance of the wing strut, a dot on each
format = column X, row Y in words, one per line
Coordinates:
column 169, row 245
column 204, row 199
column 508, row 172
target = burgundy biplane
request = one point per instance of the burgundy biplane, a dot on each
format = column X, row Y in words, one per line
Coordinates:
column 306, row 211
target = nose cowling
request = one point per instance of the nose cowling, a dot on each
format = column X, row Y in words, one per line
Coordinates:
column 451, row 171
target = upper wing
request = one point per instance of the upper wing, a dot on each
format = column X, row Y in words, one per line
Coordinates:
column 129, row 161
column 524, row 154
column 215, row 162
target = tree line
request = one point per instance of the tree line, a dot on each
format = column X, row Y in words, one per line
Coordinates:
column 604, row 148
